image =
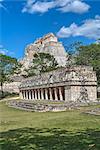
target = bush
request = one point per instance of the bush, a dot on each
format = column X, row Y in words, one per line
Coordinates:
column 8, row 94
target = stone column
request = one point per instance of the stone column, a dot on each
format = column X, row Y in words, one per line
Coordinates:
column 50, row 91
column 60, row 94
column 21, row 95
column 55, row 92
column 42, row 96
column 35, row 94
column 29, row 94
column 46, row 94
column 39, row 94
column 26, row 95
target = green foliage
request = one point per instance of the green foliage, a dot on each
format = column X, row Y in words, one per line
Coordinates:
column 7, row 94
column 89, row 55
column 42, row 62
column 8, row 66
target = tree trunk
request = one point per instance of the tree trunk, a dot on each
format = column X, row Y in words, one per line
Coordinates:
column 2, row 93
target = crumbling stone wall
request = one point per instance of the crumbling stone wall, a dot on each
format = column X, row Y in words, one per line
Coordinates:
column 47, row 44
column 12, row 87
column 79, row 83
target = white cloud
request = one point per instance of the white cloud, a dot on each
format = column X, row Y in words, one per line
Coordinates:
column 2, row 52
column 41, row 7
column 2, row 6
column 90, row 29
column 5, row 51
column 76, row 6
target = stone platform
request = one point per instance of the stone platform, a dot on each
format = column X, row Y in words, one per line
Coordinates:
column 94, row 112
column 45, row 106
column 37, row 107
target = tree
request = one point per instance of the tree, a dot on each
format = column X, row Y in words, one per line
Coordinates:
column 89, row 55
column 8, row 66
column 42, row 62
column 71, row 50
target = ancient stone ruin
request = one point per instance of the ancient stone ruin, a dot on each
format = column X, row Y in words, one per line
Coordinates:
column 66, row 84
column 47, row 44
column 74, row 84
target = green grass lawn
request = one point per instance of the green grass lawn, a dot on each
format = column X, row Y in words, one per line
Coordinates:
column 70, row 130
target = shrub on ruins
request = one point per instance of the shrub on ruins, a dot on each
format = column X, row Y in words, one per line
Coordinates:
column 8, row 67
column 42, row 62
column 89, row 55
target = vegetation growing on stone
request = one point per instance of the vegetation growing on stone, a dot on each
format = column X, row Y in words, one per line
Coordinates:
column 42, row 62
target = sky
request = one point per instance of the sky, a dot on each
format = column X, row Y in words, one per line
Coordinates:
column 23, row 21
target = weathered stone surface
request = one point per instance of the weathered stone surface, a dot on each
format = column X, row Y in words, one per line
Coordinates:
column 46, row 44
column 77, row 84
column 74, row 76
column 95, row 111
column 44, row 107
column 11, row 87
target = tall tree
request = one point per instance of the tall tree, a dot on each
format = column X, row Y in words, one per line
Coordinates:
column 89, row 55
column 8, row 66
column 42, row 62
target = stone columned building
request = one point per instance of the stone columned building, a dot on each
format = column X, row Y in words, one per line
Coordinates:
column 76, row 84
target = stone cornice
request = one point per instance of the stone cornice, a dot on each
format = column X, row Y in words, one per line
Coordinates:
column 80, row 75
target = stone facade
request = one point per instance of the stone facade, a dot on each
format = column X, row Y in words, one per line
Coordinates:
column 11, row 87
column 47, row 44
column 77, row 84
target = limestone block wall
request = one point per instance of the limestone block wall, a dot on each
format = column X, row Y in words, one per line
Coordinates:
column 12, row 87
column 57, row 50
column 92, row 92
column 46, row 38
column 75, row 93
column 47, row 44
column 67, row 93
column 72, row 84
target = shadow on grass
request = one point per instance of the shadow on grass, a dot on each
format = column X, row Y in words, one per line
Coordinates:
column 49, row 139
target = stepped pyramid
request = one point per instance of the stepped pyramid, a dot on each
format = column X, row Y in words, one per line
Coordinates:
column 47, row 44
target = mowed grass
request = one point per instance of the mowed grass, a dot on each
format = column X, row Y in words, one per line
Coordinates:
column 70, row 130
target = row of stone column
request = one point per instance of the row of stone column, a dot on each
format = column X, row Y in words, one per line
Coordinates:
column 43, row 94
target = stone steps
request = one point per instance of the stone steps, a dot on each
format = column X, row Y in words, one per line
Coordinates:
column 21, row 105
column 36, row 107
column 43, row 107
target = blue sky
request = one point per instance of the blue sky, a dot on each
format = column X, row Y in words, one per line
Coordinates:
column 23, row 21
